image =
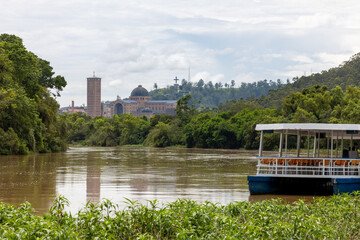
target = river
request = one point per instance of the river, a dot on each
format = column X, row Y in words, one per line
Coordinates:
column 92, row 173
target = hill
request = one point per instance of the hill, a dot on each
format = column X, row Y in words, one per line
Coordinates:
column 344, row 75
column 209, row 95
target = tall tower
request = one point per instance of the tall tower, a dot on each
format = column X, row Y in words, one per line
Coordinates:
column 94, row 96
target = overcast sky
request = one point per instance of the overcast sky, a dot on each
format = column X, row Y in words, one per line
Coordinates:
column 136, row 42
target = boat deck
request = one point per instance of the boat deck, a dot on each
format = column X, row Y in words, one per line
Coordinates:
column 337, row 172
column 308, row 167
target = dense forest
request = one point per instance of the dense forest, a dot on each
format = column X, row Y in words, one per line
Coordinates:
column 28, row 121
column 209, row 95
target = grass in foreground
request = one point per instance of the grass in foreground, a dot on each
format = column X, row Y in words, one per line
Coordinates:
column 335, row 218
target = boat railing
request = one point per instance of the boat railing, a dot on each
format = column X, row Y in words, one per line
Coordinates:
column 290, row 166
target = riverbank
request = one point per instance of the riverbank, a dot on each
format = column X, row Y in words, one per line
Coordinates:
column 333, row 218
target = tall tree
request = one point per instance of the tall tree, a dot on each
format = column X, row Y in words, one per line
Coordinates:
column 28, row 112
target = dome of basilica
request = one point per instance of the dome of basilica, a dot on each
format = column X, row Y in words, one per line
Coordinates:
column 139, row 91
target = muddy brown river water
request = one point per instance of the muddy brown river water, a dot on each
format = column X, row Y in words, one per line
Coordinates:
column 90, row 174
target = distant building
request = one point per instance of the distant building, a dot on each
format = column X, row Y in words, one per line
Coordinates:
column 94, row 96
column 139, row 104
column 72, row 109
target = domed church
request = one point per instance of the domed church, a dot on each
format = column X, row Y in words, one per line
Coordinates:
column 139, row 104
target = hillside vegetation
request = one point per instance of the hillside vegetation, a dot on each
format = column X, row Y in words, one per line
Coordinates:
column 209, row 95
column 344, row 75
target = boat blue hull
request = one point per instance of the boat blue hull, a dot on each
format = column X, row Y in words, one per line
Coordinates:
column 298, row 186
column 345, row 185
column 263, row 185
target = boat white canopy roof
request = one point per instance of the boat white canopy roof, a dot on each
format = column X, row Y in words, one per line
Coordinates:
column 330, row 129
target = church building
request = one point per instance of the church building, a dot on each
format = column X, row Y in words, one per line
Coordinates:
column 139, row 104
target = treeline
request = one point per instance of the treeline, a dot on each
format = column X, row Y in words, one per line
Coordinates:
column 232, row 125
column 210, row 95
column 28, row 121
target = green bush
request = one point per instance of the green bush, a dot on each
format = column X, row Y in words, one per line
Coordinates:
column 335, row 217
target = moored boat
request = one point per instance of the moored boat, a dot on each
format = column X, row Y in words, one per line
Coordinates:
column 315, row 170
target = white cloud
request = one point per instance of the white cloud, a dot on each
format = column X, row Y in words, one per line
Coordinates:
column 142, row 42
column 176, row 61
column 246, row 78
column 316, row 20
column 332, row 59
column 207, row 77
column 302, row 59
column 115, row 82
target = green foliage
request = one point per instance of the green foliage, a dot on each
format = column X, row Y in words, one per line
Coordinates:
column 236, row 106
column 185, row 111
column 210, row 95
column 320, row 105
column 164, row 135
column 27, row 112
column 100, row 131
column 209, row 130
column 336, row 217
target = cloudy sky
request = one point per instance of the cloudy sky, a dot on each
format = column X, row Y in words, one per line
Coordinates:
column 136, row 42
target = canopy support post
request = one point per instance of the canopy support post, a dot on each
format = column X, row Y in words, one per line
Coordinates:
column 327, row 145
column 342, row 144
column 314, row 150
column 281, row 144
column 332, row 143
column 308, row 144
column 286, row 140
column 261, row 143
column 298, row 144
column 337, row 144
column 318, row 146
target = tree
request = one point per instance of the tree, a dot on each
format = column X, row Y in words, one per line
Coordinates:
column 201, row 83
column 26, row 105
column 185, row 111
column 210, row 85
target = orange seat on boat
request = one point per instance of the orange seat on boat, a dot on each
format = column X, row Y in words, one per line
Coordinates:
column 317, row 163
column 266, row 160
column 327, row 162
column 299, row 162
column 292, row 161
column 273, row 161
column 305, row 162
column 281, row 161
column 340, row 162
column 355, row 162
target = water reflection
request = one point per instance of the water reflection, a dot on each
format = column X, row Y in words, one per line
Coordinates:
column 90, row 174
column 93, row 176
